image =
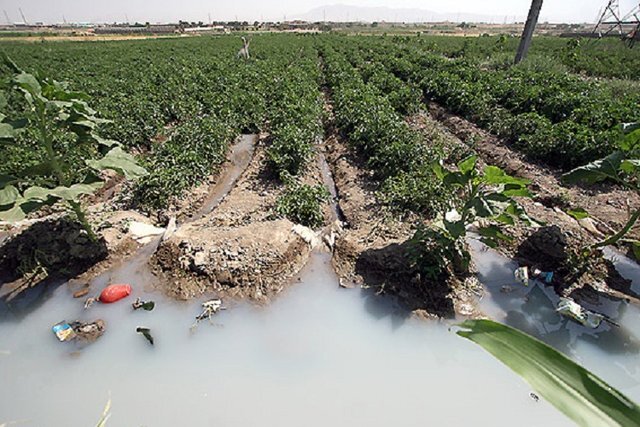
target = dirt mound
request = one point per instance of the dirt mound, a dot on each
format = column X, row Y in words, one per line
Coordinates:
column 372, row 250
column 240, row 249
column 253, row 261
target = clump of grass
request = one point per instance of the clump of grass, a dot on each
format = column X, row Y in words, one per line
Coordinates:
column 302, row 204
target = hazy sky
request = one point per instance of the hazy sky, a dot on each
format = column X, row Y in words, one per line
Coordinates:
column 51, row 11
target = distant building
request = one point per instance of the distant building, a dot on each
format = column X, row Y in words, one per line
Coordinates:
column 143, row 29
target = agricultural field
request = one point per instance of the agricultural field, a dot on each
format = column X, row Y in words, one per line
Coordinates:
column 408, row 161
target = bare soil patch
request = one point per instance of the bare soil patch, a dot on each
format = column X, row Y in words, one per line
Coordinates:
column 240, row 249
column 373, row 249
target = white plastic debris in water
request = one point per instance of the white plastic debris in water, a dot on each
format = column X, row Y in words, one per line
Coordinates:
column 144, row 233
column 522, row 275
column 570, row 308
column 306, row 234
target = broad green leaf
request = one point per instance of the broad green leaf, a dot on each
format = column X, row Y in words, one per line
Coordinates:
column 630, row 141
column 495, row 175
column 467, row 164
column 572, row 389
column 7, row 131
column 505, row 219
column 71, row 193
column 9, row 195
column 493, row 233
column 578, row 213
column 630, row 166
column 439, row 170
column 516, row 190
column 455, row 229
column 481, row 208
column 29, row 83
column 120, row 161
column 106, row 142
column 454, row 178
column 14, row 214
column 597, row 171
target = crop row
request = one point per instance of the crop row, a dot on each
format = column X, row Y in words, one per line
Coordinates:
column 560, row 119
column 381, row 136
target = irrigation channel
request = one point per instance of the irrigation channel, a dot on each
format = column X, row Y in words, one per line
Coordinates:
column 318, row 355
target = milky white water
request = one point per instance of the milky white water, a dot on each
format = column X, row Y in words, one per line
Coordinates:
column 320, row 355
column 609, row 351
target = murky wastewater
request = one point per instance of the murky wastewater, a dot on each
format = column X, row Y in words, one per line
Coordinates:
column 609, row 351
column 239, row 158
column 320, row 355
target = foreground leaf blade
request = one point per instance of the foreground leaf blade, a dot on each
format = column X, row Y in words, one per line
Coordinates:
column 575, row 391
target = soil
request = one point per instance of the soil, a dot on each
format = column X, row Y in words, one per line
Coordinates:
column 555, row 245
column 240, row 249
column 372, row 251
column 56, row 248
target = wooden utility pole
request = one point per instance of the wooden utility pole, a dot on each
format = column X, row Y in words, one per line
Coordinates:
column 527, row 34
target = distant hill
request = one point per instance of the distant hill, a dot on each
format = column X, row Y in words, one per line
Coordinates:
column 343, row 13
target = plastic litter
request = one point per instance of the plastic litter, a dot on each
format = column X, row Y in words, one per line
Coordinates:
column 63, row 331
column 209, row 308
column 145, row 305
column 113, row 293
column 569, row 308
column 306, row 234
column 545, row 276
column 90, row 331
column 522, row 275
column 146, row 332
column 89, row 302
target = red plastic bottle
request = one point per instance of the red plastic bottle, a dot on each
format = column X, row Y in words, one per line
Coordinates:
column 113, row 293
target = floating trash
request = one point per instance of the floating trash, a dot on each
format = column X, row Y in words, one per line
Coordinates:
column 145, row 305
column 522, row 275
column 209, row 308
column 89, row 331
column 569, row 308
column 545, row 276
column 146, row 332
column 63, row 331
column 113, row 293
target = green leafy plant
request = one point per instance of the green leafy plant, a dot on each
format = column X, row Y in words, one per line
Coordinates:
column 622, row 167
column 302, row 203
column 578, row 393
column 486, row 196
column 60, row 121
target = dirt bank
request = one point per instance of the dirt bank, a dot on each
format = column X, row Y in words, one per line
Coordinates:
column 555, row 245
column 373, row 249
column 240, row 249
